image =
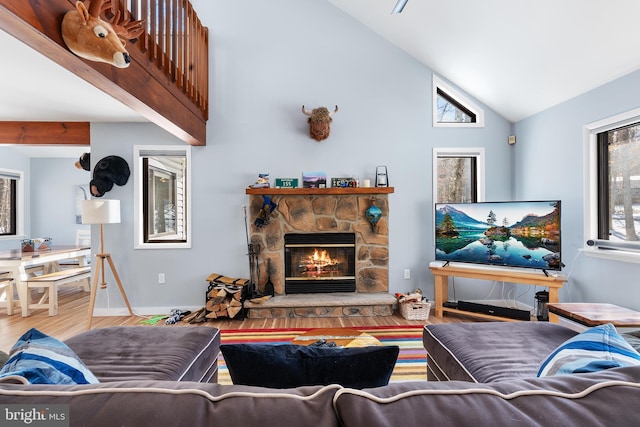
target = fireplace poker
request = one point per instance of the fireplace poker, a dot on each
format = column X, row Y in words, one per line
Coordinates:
column 253, row 258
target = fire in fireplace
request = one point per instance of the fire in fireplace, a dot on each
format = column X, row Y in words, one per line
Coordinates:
column 319, row 262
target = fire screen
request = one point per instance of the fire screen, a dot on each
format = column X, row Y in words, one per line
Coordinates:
column 319, row 262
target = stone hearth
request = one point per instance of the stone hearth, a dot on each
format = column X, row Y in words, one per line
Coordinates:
column 335, row 304
column 303, row 210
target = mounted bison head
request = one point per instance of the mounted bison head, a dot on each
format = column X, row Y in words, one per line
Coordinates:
column 90, row 37
column 319, row 122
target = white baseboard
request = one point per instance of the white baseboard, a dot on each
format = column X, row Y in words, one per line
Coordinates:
column 140, row 311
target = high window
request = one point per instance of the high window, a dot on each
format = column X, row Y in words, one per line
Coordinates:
column 458, row 175
column 612, row 176
column 452, row 109
column 11, row 203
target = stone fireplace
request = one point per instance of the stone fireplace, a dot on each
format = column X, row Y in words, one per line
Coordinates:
column 327, row 213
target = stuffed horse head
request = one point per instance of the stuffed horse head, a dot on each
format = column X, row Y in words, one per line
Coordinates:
column 90, row 37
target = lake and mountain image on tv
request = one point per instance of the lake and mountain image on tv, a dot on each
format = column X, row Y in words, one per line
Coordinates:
column 514, row 234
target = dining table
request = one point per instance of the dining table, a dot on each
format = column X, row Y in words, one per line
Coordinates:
column 18, row 263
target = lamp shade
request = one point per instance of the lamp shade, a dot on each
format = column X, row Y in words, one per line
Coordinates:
column 100, row 211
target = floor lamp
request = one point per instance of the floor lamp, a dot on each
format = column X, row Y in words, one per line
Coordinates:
column 102, row 211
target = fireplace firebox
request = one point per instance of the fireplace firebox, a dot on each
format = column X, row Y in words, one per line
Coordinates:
column 319, row 262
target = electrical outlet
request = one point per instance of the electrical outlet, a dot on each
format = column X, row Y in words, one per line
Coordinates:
column 407, row 273
column 161, row 278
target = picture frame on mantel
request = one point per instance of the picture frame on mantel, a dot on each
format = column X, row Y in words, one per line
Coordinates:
column 314, row 179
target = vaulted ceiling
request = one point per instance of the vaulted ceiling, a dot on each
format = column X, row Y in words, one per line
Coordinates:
column 517, row 57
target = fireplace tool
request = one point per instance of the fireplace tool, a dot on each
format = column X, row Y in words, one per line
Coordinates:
column 252, row 252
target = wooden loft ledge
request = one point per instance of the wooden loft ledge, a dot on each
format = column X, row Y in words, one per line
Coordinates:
column 168, row 79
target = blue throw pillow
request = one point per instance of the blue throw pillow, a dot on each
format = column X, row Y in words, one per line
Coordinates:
column 289, row 366
column 41, row 359
column 593, row 350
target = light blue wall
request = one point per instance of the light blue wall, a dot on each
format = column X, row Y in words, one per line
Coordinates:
column 267, row 60
column 12, row 159
column 549, row 156
column 53, row 204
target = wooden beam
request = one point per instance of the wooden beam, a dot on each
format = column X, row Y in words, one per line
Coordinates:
column 50, row 133
column 140, row 86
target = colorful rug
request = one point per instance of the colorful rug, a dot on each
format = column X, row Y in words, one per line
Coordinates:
column 412, row 359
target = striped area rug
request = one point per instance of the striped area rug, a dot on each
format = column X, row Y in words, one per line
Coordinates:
column 412, row 359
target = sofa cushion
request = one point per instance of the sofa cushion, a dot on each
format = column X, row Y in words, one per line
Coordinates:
column 490, row 351
column 595, row 349
column 633, row 338
column 40, row 359
column 170, row 403
column 288, row 365
column 163, row 353
column 605, row 398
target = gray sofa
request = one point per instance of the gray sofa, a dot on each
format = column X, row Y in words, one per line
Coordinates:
column 606, row 398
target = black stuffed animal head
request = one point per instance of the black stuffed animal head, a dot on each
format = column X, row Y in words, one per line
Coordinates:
column 84, row 162
column 100, row 186
column 108, row 171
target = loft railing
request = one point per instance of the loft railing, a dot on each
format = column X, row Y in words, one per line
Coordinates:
column 175, row 41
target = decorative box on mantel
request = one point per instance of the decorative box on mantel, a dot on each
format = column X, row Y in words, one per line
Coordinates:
column 324, row 210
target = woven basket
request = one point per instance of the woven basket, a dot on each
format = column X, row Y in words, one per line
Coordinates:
column 415, row 310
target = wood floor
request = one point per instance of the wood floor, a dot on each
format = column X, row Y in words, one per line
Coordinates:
column 74, row 302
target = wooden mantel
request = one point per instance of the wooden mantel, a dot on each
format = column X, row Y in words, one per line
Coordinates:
column 319, row 191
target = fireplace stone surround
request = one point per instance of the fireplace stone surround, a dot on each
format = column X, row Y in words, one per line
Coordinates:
column 310, row 210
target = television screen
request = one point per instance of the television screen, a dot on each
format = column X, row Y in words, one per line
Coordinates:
column 513, row 234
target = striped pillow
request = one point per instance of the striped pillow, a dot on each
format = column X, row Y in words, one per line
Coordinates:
column 593, row 350
column 40, row 359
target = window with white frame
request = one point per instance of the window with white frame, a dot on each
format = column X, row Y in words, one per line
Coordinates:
column 11, row 203
column 453, row 109
column 162, row 194
column 612, row 193
column 458, row 175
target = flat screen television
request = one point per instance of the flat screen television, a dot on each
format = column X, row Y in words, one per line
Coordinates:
column 511, row 234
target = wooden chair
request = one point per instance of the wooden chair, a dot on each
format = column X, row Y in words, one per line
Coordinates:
column 83, row 238
column 7, row 291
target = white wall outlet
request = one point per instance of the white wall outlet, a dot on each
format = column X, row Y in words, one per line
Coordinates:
column 407, row 273
column 161, row 278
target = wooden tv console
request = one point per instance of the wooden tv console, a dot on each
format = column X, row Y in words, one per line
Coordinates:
column 536, row 278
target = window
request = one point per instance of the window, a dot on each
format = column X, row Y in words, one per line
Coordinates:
column 619, row 182
column 458, row 175
column 452, row 109
column 11, row 203
column 612, row 194
column 163, row 197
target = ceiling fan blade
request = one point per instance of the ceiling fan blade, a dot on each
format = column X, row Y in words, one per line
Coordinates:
column 399, row 6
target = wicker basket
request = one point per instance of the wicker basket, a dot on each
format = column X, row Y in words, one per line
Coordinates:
column 415, row 310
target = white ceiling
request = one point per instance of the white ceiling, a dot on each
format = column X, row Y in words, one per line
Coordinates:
column 518, row 57
column 34, row 88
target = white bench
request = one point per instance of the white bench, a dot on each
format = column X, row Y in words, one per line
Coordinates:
column 51, row 282
column 7, row 288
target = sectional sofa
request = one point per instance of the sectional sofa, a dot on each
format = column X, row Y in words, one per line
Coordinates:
column 166, row 389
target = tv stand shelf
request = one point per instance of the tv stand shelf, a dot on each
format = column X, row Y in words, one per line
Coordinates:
column 442, row 274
